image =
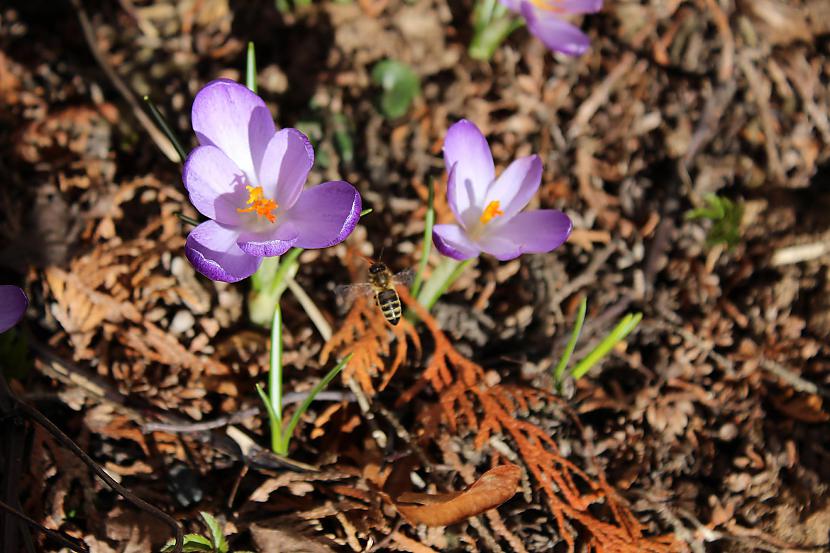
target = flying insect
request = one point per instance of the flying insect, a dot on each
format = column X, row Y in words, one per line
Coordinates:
column 381, row 284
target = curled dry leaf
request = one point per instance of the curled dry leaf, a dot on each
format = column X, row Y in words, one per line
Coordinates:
column 496, row 486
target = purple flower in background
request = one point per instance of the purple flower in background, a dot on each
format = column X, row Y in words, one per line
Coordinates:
column 487, row 208
column 13, row 303
column 248, row 178
column 544, row 19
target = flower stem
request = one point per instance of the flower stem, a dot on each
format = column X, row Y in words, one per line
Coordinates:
column 444, row 275
column 488, row 37
column 268, row 284
column 275, row 371
column 273, row 399
column 250, row 68
column 429, row 222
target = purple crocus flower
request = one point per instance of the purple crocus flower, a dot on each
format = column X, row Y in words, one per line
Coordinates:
column 489, row 209
column 13, row 303
column 544, row 19
column 248, row 179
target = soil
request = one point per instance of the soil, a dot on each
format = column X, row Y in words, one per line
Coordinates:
column 706, row 430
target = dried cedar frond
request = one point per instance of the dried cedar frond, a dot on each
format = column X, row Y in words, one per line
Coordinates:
column 467, row 402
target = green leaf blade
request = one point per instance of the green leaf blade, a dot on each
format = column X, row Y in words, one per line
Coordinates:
column 193, row 543
column 220, row 544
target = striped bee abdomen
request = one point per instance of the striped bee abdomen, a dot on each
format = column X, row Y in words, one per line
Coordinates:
column 390, row 305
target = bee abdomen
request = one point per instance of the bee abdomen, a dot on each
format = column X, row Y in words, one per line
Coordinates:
column 390, row 305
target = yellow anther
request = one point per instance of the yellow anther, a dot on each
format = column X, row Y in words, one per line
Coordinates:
column 259, row 204
column 492, row 210
column 547, row 5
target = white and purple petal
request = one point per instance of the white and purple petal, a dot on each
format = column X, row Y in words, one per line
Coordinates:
column 324, row 215
column 274, row 240
column 212, row 249
column 215, row 185
column 512, row 5
column 229, row 116
column 514, row 188
column 468, row 158
column 284, row 169
column 452, row 241
column 13, row 304
column 556, row 33
column 575, row 6
column 538, row 231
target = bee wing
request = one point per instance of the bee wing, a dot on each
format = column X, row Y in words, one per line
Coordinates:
column 346, row 293
column 404, row 278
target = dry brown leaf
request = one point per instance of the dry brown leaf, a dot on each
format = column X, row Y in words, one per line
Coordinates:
column 804, row 408
column 279, row 540
column 496, row 486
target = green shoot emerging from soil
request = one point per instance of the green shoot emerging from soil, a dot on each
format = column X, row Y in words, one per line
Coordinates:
column 214, row 542
column 281, row 433
column 618, row 334
column 726, row 220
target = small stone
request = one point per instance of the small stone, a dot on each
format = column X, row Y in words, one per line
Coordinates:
column 182, row 322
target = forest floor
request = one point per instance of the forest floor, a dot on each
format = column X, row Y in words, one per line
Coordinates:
column 706, row 432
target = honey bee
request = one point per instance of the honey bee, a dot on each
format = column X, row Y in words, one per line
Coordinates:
column 382, row 284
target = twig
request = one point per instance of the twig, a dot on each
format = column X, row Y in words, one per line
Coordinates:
column 727, row 55
column 799, row 253
column 602, row 92
column 201, row 426
column 79, row 547
column 669, row 324
column 762, row 90
column 797, row 382
column 404, row 434
column 311, row 309
column 67, row 442
column 365, row 407
column 89, row 35
column 219, row 422
column 588, row 276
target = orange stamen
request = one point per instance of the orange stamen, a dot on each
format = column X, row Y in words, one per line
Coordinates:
column 547, row 5
column 259, row 204
column 492, row 210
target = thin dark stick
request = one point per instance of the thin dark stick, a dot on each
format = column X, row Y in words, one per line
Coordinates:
column 66, row 442
column 158, row 137
column 79, row 547
column 219, row 422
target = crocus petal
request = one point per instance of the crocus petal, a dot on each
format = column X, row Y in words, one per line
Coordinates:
column 556, row 33
column 467, row 156
column 13, row 303
column 538, row 231
column 211, row 248
column 465, row 212
column 325, row 215
column 515, row 186
column 576, row 6
column 284, row 169
column 215, row 184
column 270, row 242
column 452, row 241
column 229, row 116
column 512, row 5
